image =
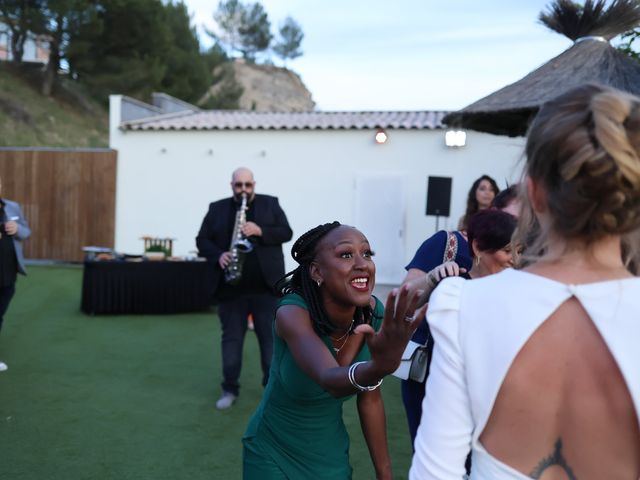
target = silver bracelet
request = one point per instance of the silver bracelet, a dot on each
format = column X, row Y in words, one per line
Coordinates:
column 352, row 379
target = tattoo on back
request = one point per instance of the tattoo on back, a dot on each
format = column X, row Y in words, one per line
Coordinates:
column 555, row 459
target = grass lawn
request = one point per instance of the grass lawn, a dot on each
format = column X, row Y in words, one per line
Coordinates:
column 131, row 397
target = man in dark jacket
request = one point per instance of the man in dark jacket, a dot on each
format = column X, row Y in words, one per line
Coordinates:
column 13, row 230
column 266, row 228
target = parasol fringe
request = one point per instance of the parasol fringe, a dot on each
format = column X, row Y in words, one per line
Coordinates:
column 595, row 18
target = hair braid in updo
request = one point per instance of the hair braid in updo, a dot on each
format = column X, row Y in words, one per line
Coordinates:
column 583, row 149
column 299, row 280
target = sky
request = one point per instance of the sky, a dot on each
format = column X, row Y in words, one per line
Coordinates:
column 408, row 54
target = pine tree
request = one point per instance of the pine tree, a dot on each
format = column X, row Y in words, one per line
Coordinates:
column 187, row 75
column 124, row 49
column 63, row 19
column 243, row 28
column 255, row 31
column 288, row 45
column 228, row 18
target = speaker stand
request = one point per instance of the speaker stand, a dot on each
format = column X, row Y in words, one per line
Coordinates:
column 437, row 223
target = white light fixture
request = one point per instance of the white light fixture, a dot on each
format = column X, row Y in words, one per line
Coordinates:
column 455, row 138
column 381, row 136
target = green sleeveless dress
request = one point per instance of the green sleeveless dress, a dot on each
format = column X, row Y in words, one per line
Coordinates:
column 297, row 431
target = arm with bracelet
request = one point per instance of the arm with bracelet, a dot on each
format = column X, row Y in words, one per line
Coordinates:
column 425, row 270
column 427, row 282
column 345, row 378
column 333, row 340
column 445, row 254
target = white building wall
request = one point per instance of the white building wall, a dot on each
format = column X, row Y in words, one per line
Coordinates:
column 166, row 179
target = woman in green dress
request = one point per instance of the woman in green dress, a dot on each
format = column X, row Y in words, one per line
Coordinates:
column 330, row 342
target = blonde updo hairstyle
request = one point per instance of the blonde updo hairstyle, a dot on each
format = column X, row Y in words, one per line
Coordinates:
column 583, row 150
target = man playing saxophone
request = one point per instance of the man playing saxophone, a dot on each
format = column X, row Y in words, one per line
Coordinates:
column 242, row 237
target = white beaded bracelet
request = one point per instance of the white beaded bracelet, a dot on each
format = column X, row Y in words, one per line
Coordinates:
column 352, row 379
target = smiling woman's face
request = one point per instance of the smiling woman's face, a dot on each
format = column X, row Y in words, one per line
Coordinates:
column 345, row 266
column 495, row 262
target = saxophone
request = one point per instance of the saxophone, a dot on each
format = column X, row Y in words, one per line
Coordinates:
column 240, row 246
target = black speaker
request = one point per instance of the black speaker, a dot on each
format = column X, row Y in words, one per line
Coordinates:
column 439, row 196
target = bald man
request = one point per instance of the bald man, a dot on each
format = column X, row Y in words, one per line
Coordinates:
column 266, row 228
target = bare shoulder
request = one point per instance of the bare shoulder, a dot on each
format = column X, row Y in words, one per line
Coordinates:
column 292, row 320
column 572, row 274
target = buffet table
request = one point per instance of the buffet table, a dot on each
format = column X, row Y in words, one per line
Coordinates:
column 151, row 287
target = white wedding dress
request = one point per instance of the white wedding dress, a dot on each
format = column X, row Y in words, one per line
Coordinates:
column 479, row 327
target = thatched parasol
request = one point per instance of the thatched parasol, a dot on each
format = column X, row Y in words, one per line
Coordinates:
column 591, row 59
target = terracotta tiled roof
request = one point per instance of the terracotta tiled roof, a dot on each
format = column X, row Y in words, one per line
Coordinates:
column 242, row 120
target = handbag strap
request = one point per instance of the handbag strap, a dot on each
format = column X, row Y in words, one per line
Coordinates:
column 451, row 248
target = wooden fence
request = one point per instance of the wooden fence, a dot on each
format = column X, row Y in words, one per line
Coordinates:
column 67, row 196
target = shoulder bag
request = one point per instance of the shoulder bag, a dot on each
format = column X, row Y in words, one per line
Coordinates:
column 416, row 357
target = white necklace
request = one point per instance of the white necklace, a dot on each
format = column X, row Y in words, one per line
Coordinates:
column 343, row 338
column 337, row 349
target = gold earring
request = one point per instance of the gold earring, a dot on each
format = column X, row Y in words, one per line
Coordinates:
column 478, row 260
column 319, row 282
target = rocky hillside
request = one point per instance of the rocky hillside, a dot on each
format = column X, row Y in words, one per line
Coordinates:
column 66, row 119
column 267, row 88
column 71, row 119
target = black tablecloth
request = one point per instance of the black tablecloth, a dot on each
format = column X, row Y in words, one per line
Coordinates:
column 146, row 287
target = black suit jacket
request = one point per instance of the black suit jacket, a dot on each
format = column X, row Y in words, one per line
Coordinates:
column 214, row 236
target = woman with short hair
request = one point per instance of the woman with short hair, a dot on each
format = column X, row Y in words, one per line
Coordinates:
column 486, row 248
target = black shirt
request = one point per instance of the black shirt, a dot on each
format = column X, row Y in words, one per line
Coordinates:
column 8, row 260
column 252, row 279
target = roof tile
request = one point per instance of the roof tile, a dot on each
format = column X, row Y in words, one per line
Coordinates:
column 242, row 120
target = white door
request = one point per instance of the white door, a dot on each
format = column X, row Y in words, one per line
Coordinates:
column 380, row 214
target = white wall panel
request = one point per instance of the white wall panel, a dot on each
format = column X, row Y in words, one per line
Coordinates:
column 166, row 179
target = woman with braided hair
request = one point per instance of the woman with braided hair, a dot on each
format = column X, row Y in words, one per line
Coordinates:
column 538, row 370
column 330, row 342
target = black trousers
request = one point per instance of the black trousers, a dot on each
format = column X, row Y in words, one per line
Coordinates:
column 233, row 315
column 6, row 294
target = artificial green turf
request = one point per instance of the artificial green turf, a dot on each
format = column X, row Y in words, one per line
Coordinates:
column 131, row 397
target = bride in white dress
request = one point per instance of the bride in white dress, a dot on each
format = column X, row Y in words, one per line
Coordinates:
column 537, row 371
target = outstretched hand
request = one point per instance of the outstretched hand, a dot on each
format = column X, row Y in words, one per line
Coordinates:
column 400, row 321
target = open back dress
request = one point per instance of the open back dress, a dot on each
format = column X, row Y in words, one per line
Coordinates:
column 477, row 339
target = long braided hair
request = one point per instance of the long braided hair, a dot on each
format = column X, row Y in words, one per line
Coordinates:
column 299, row 281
